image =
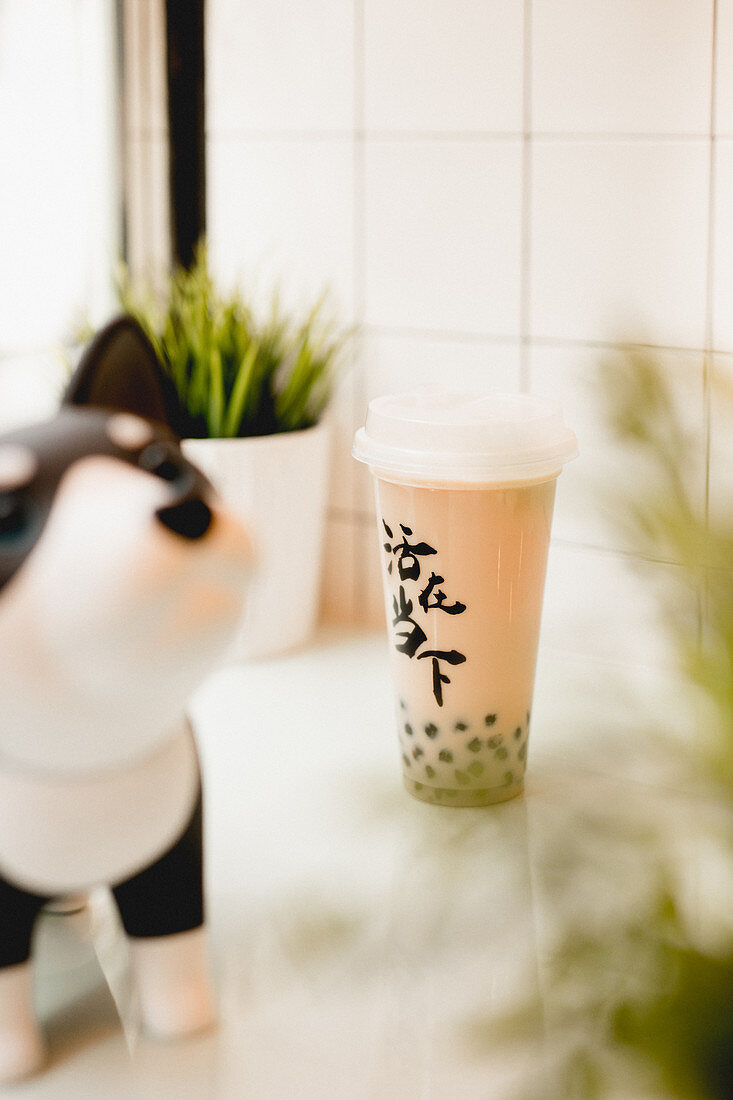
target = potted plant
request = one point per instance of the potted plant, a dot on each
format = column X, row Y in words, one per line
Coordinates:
column 247, row 398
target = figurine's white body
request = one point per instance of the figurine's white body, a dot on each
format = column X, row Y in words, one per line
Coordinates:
column 105, row 630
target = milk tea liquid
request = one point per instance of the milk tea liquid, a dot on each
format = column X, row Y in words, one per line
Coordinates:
column 464, row 573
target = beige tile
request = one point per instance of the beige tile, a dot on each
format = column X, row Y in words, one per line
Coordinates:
column 621, row 67
column 443, row 235
column 619, row 241
column 401, row 361
column 272, row 64
column 454, row 66
column 280, row 214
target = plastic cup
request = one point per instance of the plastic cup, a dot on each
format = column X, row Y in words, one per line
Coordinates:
column 465, row 488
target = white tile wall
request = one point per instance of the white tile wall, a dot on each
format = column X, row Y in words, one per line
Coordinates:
column 280, row 214
column 431, row 67
column 619, row 241
column 442, row 234
column 621, row 66
column 501, row 195
column 275, row 65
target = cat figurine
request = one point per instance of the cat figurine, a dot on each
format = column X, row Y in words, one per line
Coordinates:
column 122, row 579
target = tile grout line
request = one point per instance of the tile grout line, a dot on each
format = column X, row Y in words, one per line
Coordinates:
column 709, row 308
column 314, row 133
column 525, row 268
column 408, row 332
column 628, row 555
column 710, row 259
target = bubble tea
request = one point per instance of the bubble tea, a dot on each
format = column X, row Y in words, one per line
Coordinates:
column 465, row 488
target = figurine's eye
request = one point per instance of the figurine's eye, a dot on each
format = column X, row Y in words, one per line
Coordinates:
column 13, row 515
column 160, row 460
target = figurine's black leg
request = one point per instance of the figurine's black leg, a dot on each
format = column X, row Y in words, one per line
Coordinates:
column 18, row 912
column 162, row 911
column 167, row 897
column 21, row 1042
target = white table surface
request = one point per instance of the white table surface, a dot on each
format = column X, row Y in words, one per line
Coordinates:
column 362, row 941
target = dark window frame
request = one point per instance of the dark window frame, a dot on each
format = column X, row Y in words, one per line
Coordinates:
column 185, row 21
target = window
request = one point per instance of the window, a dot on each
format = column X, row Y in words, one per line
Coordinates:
column 59, row 193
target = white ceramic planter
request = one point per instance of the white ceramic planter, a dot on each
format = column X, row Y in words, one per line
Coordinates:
column 277, row 484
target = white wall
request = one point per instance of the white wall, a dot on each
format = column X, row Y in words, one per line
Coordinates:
column 500, row 194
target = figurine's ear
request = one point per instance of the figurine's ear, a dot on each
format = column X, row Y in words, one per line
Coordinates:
column 120, row 370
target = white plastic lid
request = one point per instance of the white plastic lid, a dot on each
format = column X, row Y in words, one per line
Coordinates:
column 431, row 435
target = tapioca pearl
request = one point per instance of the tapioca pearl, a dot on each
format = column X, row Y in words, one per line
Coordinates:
column 522, row 754
column 462, row 777
column 431, row 730
column 418, row 786
column 508, row 779
column 490, row 719
column 446, row 756
column 408, row 729
column 417, row 752
column 461, row 727
column 495, row 741
column 476, row 769
column 518, row 733
column 403, row 704
column 129, row 431
column 501, row 753
column 429, row 771
column 406, row 760
column 474, row 746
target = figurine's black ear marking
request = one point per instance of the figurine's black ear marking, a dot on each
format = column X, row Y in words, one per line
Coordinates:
column 120, row 370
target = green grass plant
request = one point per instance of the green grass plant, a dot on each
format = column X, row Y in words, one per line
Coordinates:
column 234, row 375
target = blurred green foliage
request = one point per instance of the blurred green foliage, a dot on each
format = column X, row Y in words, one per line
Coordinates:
column 643, row 999
column 234, row 375
column 672, row 523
